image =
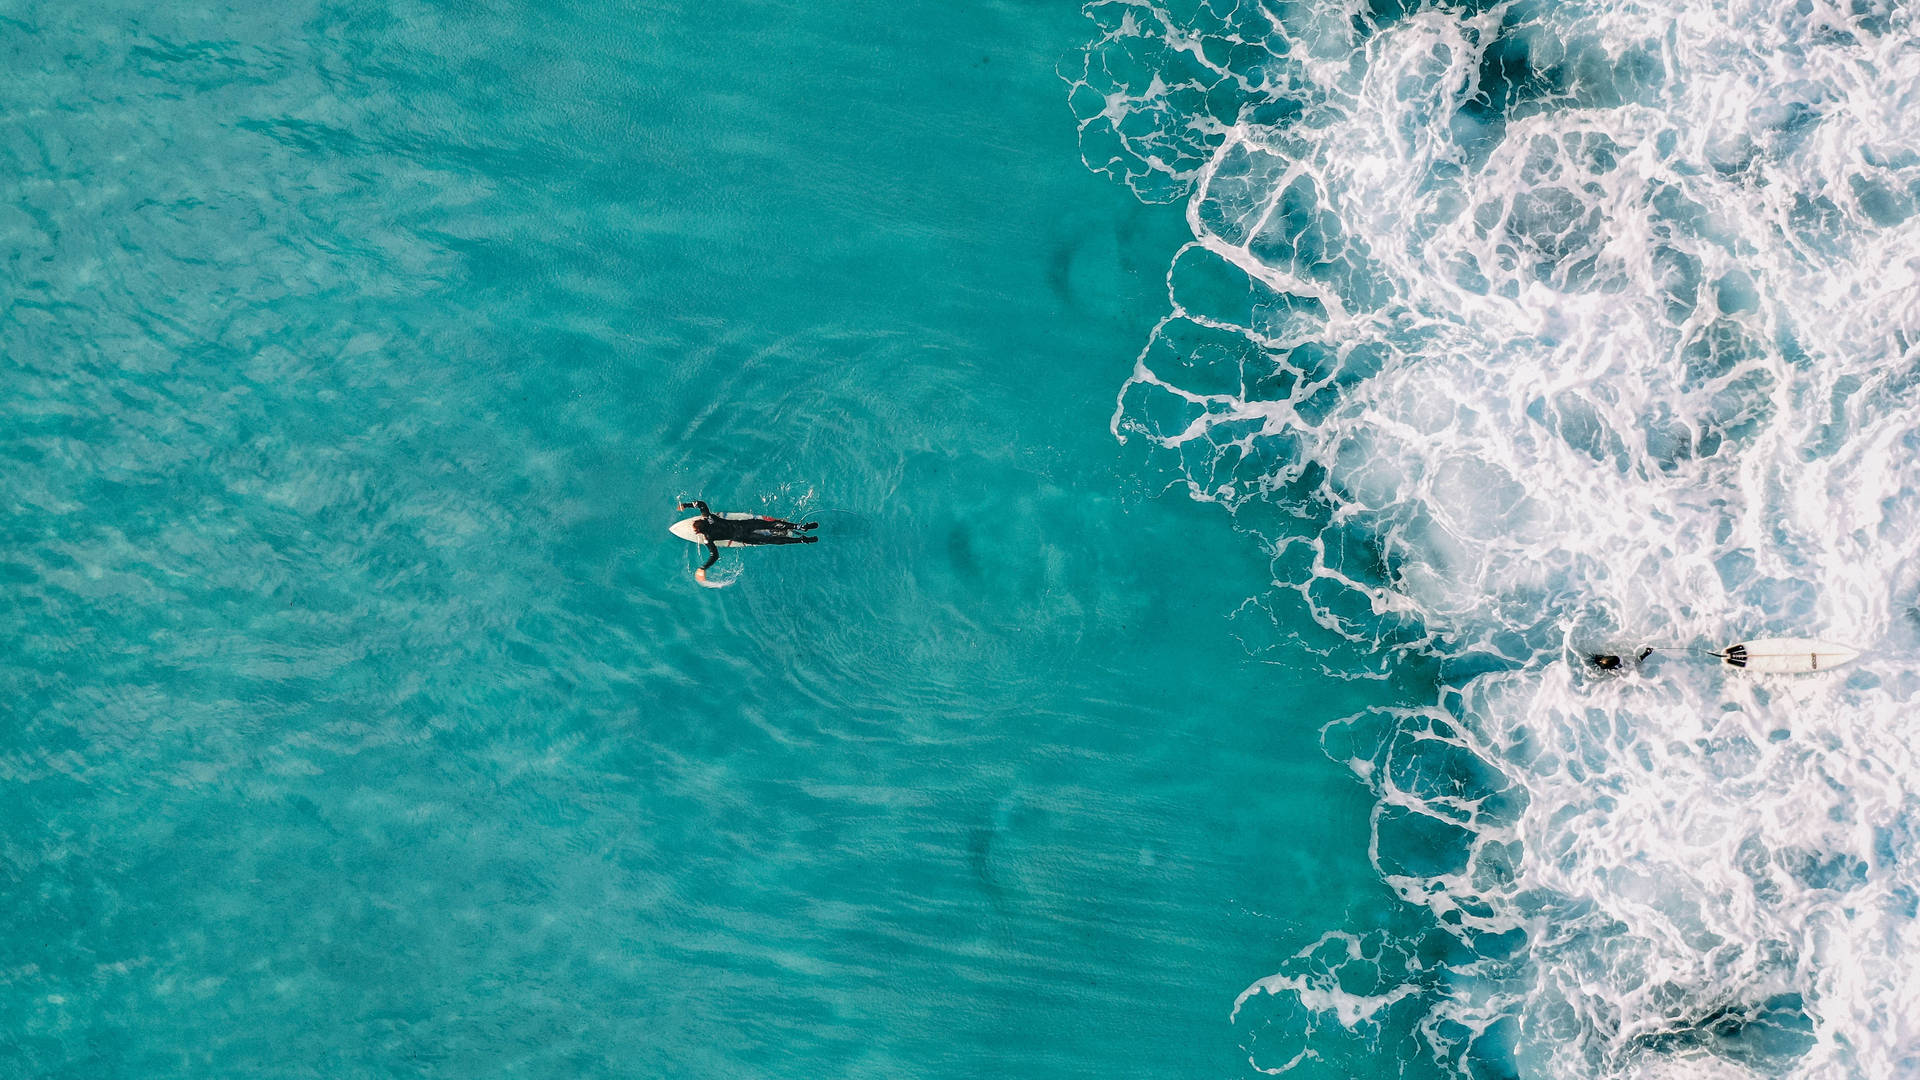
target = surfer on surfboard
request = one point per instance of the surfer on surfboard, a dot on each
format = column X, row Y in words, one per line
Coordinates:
column 714, row 529
column 1767, row 656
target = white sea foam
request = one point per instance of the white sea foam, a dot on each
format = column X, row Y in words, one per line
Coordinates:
column 1528, row 330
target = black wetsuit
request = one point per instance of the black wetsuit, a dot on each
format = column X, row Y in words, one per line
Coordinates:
column 751, row 532
column 1613, row 662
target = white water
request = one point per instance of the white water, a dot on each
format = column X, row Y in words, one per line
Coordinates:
column 1628, row 352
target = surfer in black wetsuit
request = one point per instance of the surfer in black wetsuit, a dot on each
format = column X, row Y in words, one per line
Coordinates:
column 1613, row 662
column 749, row 532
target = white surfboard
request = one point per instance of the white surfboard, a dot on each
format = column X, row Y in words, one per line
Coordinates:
column 684, row 529
column 1774, row 655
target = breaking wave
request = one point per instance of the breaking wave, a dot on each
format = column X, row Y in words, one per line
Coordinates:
column 1524, row 330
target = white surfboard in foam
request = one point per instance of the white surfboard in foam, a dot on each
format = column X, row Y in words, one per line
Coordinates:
column 684, row 529
column 1787, row 655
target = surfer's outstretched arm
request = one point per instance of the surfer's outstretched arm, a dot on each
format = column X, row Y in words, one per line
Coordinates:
column 713, row 556
column 697, row 505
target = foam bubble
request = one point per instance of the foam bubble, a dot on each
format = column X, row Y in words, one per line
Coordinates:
column 1522, row 331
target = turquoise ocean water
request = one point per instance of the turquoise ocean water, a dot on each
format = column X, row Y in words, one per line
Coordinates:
column 363, row 721
column 1232, row 427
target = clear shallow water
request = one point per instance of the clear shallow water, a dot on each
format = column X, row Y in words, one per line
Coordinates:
column 363, row 721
